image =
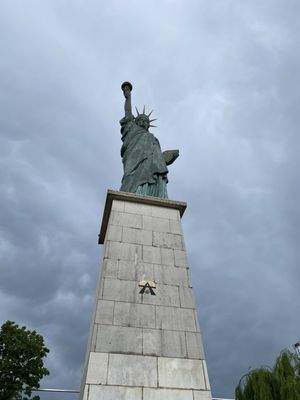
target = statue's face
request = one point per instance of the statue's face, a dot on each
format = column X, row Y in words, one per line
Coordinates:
column 143, row 122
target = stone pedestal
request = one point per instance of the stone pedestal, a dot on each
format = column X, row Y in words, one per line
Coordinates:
column 144, row 346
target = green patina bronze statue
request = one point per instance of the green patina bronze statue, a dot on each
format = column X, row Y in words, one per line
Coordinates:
column 145, row 165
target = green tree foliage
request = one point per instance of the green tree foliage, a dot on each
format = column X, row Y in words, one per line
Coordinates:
column 21, row 362
column 282, row 382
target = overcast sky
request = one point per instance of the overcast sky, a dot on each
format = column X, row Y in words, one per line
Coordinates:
column 223, row 79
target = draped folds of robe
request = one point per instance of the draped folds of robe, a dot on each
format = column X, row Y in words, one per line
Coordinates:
column 145, row 170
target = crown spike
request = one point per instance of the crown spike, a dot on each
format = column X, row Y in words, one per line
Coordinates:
column 150, row 113
column 144, row 110
column 153, row 126
column 154, row 119
column 137, row 111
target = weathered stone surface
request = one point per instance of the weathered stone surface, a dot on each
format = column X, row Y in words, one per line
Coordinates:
column 130, row 270
column 118, row 205
column 173, row 344
column 151, row 255
column 119, row 339
column 156, row 224
column 171, row 276
column 110, row 268
column 114, row 233
column 178, row 319
column 167, row 394
column 114, row 393
column 180, row 373
column 202, row 395
column 175, row 227
column 163, row 212
column 127, row 270
column 152, row 342
column 186, row 297
column 167, row 240
column 129, row 370
column 206, row 375
column 167, row 256
column 137, row 208
column 85, row 392
column 104, row 312
column 125, row 219
column 137, row 315
column 137, row 236
column 164, row 343
column 166, row 295
column 197, row 321
column 180, row 258
column 122, row 251
column 97, row 368
column 121, row 290
column 194, row 345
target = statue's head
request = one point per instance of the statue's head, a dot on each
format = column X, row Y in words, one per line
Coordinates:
column 143, row 120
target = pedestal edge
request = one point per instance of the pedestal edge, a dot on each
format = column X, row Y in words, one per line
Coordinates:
column 135, row 198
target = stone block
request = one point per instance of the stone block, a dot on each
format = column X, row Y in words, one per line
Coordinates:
column 114, row 233
column 144, row 271
column 194, row 345
column 180, row 373
column 206, row 375
column 165, row 295
column 121, row 290
column 97, row 369
column 152, row 342
column 125, row 219
column 85, row 392
column 164, row 343
column 173, row 344
column 171, row 276
column 94, row 337
column 167, row 394
column 175, row 227
column 167, row 240
column 173, row 318
column 202, row 395
column 137, row 208
column 119, row 339
column 137, row 315
column 197, row 321
column 156, row 224
column 186, row 297
column 130, row 370
column 114, row 393
column 180, row 258
column 118, row 205
column 137, row 236
column 110, row 268
column 151, row 255
column 122, row 251
column 104, row 312
column 127, row 270
column 167, row 256
column 163, row 212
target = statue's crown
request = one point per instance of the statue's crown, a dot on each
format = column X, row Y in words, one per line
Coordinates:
column 145, row 115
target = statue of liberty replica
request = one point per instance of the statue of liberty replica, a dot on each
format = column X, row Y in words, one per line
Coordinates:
column 145, row 165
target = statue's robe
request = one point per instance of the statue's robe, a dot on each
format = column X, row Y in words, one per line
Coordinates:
column 145, row 169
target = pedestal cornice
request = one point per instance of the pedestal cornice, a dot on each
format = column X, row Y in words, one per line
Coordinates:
column 135, row 198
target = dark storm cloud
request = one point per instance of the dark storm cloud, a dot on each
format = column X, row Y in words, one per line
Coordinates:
column 223, row 80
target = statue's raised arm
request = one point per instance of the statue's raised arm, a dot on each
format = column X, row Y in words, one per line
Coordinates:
column 127, row 88
column 145, row 165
